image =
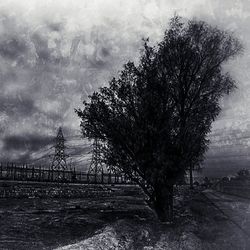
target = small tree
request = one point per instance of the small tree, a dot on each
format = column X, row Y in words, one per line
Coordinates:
column 154, row 118
column 243, row 174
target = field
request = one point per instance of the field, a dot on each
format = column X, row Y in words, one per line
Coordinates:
column 35, row 223
column 116, row 218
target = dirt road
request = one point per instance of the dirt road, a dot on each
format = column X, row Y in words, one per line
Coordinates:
column 233, row 208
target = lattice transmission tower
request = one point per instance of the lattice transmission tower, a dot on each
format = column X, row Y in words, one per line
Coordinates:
column 59, row 160
column 96, row 166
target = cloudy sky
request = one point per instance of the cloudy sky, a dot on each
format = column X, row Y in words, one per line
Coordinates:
column 54, row 53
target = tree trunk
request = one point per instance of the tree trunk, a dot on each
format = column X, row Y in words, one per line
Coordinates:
column 191, row 177
column 164, row 203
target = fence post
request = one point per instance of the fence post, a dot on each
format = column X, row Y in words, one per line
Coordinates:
column 64, row 175
column 109, row 178
column 33, row 173
column 21, row 172
column 74, row 174
column 7, row 170
column 95, row 177
column 49, row 174
column 80, row 176
column 40, row 173
column 1, row 170
column 26, row 171
column 13, row 171
column 52, row 174
column 102, row 175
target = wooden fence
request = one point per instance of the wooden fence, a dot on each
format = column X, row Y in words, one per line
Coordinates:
column 25, row 172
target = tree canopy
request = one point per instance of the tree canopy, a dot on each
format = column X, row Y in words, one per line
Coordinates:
column 154, row 118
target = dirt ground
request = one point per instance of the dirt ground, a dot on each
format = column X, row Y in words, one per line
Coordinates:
column 121, row 222
column 198, row 225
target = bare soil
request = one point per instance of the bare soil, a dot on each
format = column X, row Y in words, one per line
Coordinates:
column 121, row 221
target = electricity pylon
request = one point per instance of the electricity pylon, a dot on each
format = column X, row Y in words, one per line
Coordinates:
column 96, row 166
column 59, row 159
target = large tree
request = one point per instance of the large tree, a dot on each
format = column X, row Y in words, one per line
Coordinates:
column 153, row 119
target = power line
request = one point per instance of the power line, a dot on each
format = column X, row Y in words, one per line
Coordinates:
column 44, row 150
column 75, row 162
column 39, row 158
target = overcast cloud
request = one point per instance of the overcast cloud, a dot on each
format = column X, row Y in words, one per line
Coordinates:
column 54, row 53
